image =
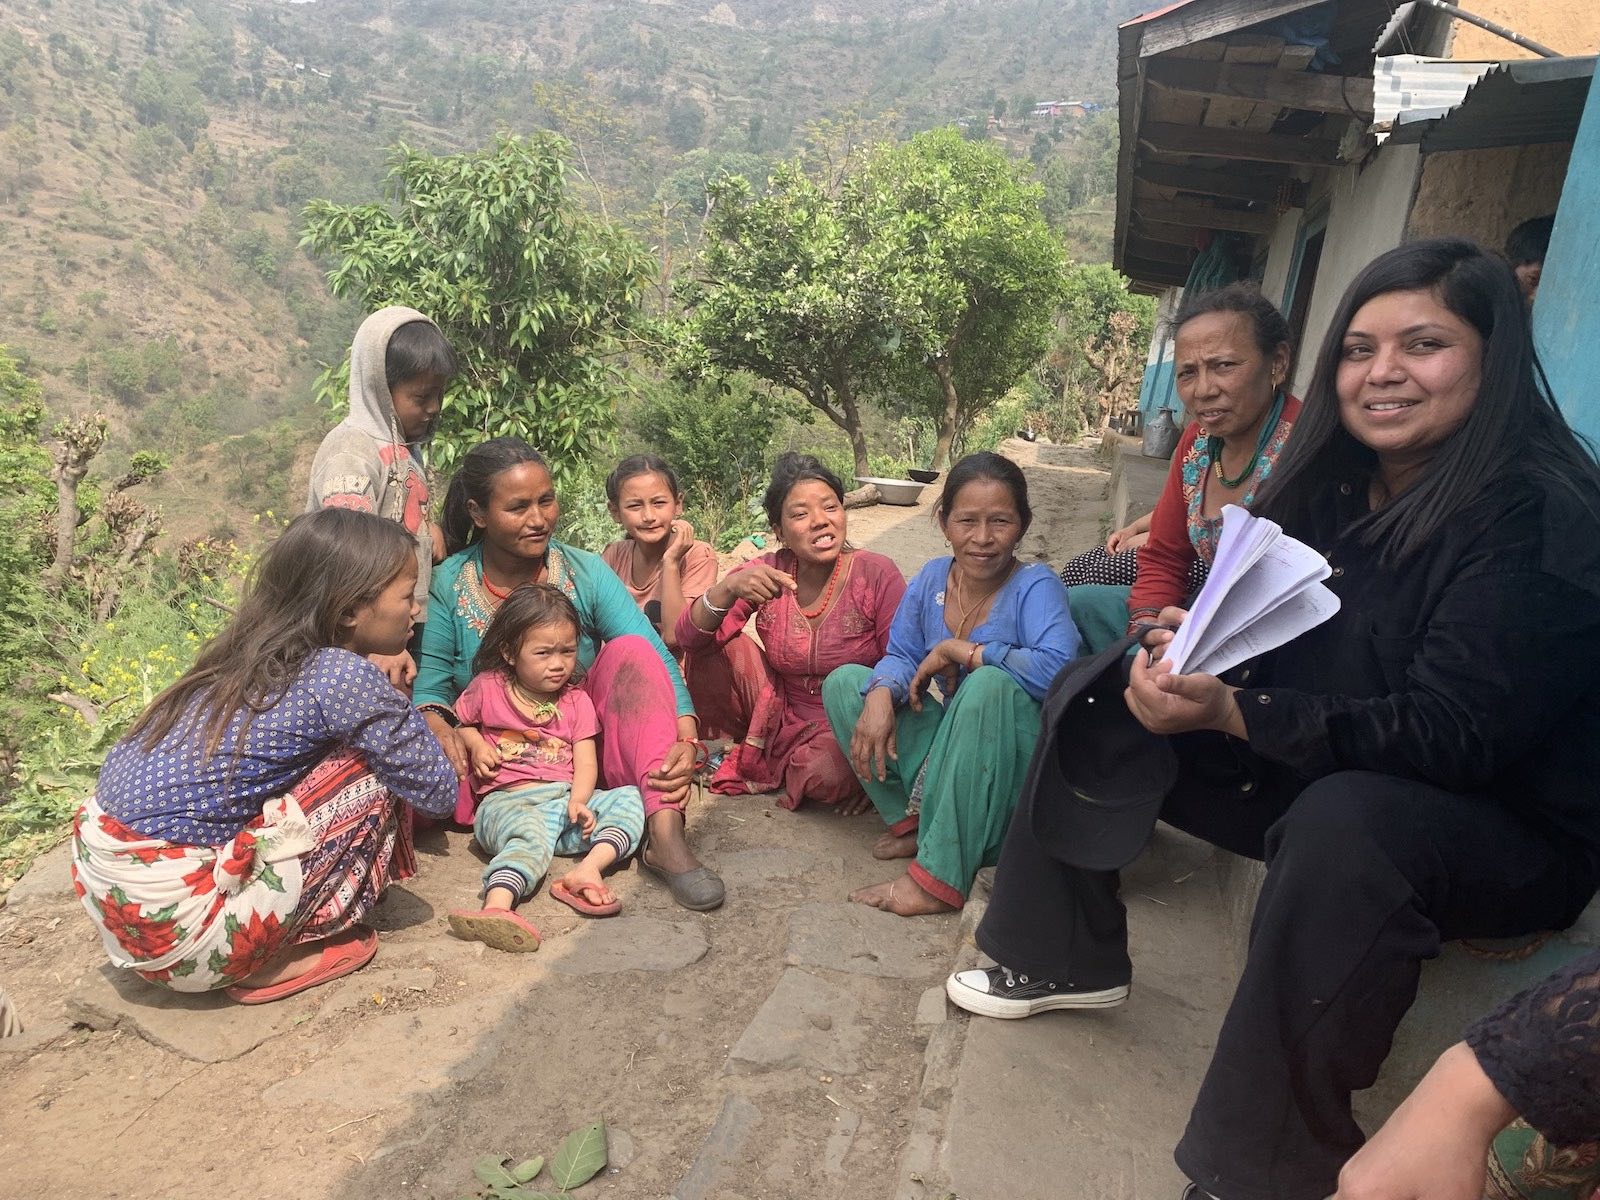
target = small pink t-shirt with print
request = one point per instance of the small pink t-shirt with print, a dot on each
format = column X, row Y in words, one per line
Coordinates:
column 532, row 752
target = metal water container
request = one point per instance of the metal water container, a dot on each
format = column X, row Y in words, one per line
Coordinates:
column 1160, row 436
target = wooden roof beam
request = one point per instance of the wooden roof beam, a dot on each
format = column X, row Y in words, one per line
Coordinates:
column 1203, row 216
column 1161, row 252
column 1202, row 142
column 1197, row 22
column 1157, row 274
column 1258, row 189
column 1309, row 90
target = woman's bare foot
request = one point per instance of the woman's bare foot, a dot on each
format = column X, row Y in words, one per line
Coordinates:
column 895, row 845
column 902, row 897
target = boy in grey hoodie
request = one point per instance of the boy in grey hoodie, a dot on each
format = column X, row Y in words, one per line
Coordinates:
column 372, row 461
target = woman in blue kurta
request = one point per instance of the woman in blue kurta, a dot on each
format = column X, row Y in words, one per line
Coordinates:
column 499, row 520
column 945, row 776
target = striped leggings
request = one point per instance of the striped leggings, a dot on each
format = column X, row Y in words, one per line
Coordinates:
column 525, row 827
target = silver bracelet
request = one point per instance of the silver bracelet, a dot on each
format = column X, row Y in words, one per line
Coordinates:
column 712, row 608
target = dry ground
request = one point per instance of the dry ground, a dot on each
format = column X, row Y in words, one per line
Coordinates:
column 771, row 1049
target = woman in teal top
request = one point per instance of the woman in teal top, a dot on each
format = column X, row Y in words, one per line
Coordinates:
column 499, row 519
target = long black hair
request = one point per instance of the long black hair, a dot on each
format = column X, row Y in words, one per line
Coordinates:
column 1513, row 425
column 474, row 481
column 303, row 588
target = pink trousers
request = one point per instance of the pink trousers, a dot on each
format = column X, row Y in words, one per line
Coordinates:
column 638, row 710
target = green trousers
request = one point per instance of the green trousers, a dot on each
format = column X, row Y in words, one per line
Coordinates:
column 976, row 749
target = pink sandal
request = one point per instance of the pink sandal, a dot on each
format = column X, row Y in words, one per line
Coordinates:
column 337, row 960
column 497, row 927
column 578, row 902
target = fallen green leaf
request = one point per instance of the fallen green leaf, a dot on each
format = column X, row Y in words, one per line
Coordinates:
column 525, row 1171
column 491, row 1169
column 580, row 1157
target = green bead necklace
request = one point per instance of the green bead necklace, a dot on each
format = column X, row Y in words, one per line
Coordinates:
column 1268, row 427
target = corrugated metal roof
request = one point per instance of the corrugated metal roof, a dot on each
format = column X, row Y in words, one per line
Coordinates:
column 1410, row 87
column 1517, row 103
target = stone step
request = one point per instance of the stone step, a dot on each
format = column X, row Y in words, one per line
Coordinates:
column 1089, row 1104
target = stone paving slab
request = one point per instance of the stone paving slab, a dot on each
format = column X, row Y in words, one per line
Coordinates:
column 627, row 944
column 723, row 1147
column 806, row 1022
column 364, row 1073
column 867, row 941
column 48, row 881
column 770, row 866
column 205, row 1028
column 1086, row 1104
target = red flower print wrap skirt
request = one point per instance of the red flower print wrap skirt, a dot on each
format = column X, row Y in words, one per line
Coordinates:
column 198, row 918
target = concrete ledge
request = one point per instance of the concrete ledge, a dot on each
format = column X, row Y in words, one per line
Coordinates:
column 1136, row 481
column 1457, row 988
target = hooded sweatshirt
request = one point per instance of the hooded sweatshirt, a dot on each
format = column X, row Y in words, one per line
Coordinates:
column 365, row 463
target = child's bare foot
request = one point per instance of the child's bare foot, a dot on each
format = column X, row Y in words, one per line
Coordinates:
column 902, row 897
column 895, row 845
column 581, row 890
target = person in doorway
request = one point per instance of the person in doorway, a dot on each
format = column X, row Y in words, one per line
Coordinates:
column 1416, row 769
column 1526, row 248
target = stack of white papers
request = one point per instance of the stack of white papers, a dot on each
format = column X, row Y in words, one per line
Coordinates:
column 1264, row 589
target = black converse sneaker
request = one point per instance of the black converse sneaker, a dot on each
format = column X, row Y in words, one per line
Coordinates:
column 1000, row 992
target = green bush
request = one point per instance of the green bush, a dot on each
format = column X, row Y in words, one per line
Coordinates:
column 718, row 439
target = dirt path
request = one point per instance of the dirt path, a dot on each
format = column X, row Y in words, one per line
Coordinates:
column 771, row 1049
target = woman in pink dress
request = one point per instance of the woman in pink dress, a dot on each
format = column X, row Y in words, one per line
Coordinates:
column 818, row 604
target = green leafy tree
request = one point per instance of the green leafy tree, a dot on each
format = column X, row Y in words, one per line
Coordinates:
column 783, row 290
column 1098, row 350
column 715, row 435
column 961, row 255
column 536, row 294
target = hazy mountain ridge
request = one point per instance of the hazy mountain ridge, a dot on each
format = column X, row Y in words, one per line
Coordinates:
column 154, row 156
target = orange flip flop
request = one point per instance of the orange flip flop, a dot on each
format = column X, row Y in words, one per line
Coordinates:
column 497, row 927
column 337, row 960
column 575, row 900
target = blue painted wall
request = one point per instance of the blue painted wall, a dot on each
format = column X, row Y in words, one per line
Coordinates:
column 1566, row 317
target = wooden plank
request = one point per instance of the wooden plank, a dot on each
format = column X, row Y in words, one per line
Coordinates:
column 1204, row 216
column 1236, row 144
column 1159, row 231
column 1161, row 274
column 1293, row 58
column 1260, row 189
column 1183, row 110
column 1201, row 20
column 1161, row 252
column 1250, row 50
column 1288, row 89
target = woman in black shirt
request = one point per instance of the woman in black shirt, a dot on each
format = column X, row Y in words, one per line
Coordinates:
column 1417, row 769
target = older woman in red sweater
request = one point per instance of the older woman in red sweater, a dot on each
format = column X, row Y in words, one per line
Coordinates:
column 1232, row 357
